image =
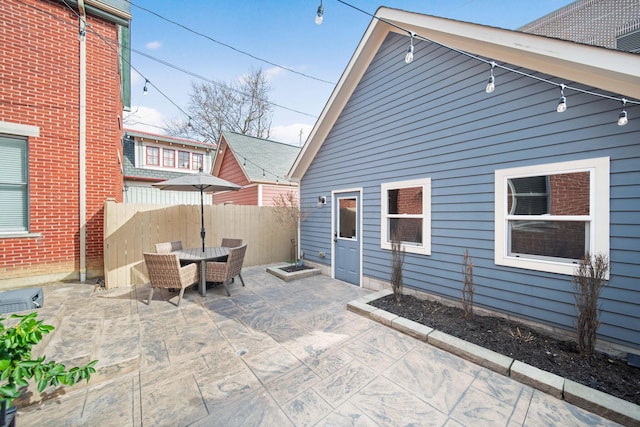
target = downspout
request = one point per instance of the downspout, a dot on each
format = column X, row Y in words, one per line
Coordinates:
column 83, row 141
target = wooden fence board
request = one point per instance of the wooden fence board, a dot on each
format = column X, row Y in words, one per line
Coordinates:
column 132, row 229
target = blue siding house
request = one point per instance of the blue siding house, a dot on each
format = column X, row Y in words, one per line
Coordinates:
column 427, row 153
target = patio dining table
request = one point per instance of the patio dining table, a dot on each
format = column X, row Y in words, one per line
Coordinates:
column 214, row 253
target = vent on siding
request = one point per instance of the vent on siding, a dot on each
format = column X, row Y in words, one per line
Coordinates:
column 629, row 42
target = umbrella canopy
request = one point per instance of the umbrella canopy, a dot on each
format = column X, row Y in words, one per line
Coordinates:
column 202, row 182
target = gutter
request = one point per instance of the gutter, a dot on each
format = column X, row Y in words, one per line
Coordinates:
column 82, row 128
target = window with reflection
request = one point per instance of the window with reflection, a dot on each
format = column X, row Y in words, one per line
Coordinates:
column 405, row 215
column 548, row 217
column 348, row 217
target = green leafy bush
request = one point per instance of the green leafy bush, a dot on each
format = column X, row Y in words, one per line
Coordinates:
column 17, row 367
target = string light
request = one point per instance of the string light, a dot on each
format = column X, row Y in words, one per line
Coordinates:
column 145, row 91
column 491, row 84
column 408, row 58
column 562, row 105
column 622, row 118
column 319, row 14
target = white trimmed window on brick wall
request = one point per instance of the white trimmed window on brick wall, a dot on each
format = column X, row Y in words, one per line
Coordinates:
column 14, row 177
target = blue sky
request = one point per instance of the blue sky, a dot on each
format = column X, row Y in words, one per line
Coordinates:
column 282, row 32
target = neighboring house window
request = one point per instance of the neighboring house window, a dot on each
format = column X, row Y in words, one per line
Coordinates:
column 406, row 215
column 14, row 184
column 183, row 159
column 168, row 158
column 196, row 161
column 153, row 156
column 548, row 217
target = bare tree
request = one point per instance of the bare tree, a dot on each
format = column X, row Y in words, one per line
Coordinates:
column 242, row 107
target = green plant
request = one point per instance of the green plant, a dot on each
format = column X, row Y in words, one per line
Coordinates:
column 397, row 261
column 468, row 287
column 17, row 365
column 588, row 280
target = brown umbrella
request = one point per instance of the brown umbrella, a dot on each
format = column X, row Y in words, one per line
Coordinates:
column 202, row 182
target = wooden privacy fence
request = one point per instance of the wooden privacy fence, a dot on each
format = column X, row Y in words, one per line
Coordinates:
column 132, row 229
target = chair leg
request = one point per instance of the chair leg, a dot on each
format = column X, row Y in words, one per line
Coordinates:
column 180, row 297
column 241, row 279
column 226, row 288
column 150, row 296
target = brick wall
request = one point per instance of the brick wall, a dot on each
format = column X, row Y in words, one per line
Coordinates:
column 39, row 86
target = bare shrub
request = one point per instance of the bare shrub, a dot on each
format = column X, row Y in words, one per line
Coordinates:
column 289, row 213
column 397, row 262
column 588, row 280
column 468, row 286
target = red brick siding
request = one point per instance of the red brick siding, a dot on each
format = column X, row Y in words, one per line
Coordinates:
column 39, row 86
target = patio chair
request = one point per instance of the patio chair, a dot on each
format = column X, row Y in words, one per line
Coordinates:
column 223, row 272
column 165, row 272
column 231, row 243
column 168, row 247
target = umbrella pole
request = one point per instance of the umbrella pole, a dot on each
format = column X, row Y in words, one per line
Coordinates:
column 202, row 232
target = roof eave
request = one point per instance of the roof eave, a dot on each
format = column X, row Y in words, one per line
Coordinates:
column 610, row 70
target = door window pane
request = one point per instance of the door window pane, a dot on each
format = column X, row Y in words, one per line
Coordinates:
column 348, row 217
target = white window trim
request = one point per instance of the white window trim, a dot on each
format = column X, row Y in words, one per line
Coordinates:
column 425, row 183
column 599, row 207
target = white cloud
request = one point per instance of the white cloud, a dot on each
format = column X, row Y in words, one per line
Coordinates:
column 290, row 134
column 272, row 73
column 153, row 45
column 145, row 119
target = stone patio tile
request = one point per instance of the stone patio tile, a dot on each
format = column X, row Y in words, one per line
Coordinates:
column 370, row 356
column 66, row 411
column 546, row 410
column 220, row 386
column 390, row 405
column 478, row 408
column 176, row 402
column 501, row 387
column 289, row 385
column 253, row 409
column 390, row 342
column 433, row 376
column 272, row 363
column 347, row 415
column 343, row 384
column 329, row 362
column 110, row 403
column 306, row 409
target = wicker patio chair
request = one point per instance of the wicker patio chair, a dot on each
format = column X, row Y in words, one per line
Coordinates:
column 165, row 272
column 231, row 243
column 223, row 272
column 168, row 247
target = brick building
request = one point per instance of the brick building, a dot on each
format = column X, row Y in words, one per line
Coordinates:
column 614, row 24
column 63, row 87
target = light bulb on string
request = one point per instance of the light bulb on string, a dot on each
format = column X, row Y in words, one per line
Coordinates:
column 491, row 84
column 623, row 119
column 408, row 58
column 319, row 14
column 562, row 105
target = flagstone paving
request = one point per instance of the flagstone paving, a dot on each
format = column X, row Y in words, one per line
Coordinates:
column 274, row 353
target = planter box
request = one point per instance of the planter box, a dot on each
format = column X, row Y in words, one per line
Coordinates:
column 277, row 271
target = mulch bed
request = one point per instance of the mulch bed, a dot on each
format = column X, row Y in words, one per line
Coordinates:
column 601, row 372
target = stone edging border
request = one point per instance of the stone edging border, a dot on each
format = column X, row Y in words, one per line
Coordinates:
column 603, row 404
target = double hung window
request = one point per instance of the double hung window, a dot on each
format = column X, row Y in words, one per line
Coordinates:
column 549, row 216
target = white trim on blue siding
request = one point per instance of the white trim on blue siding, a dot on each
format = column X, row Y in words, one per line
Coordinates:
column 385, row 243
column 598, row 218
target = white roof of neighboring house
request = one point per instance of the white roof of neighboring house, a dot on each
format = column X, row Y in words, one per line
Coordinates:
column 607, row 69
